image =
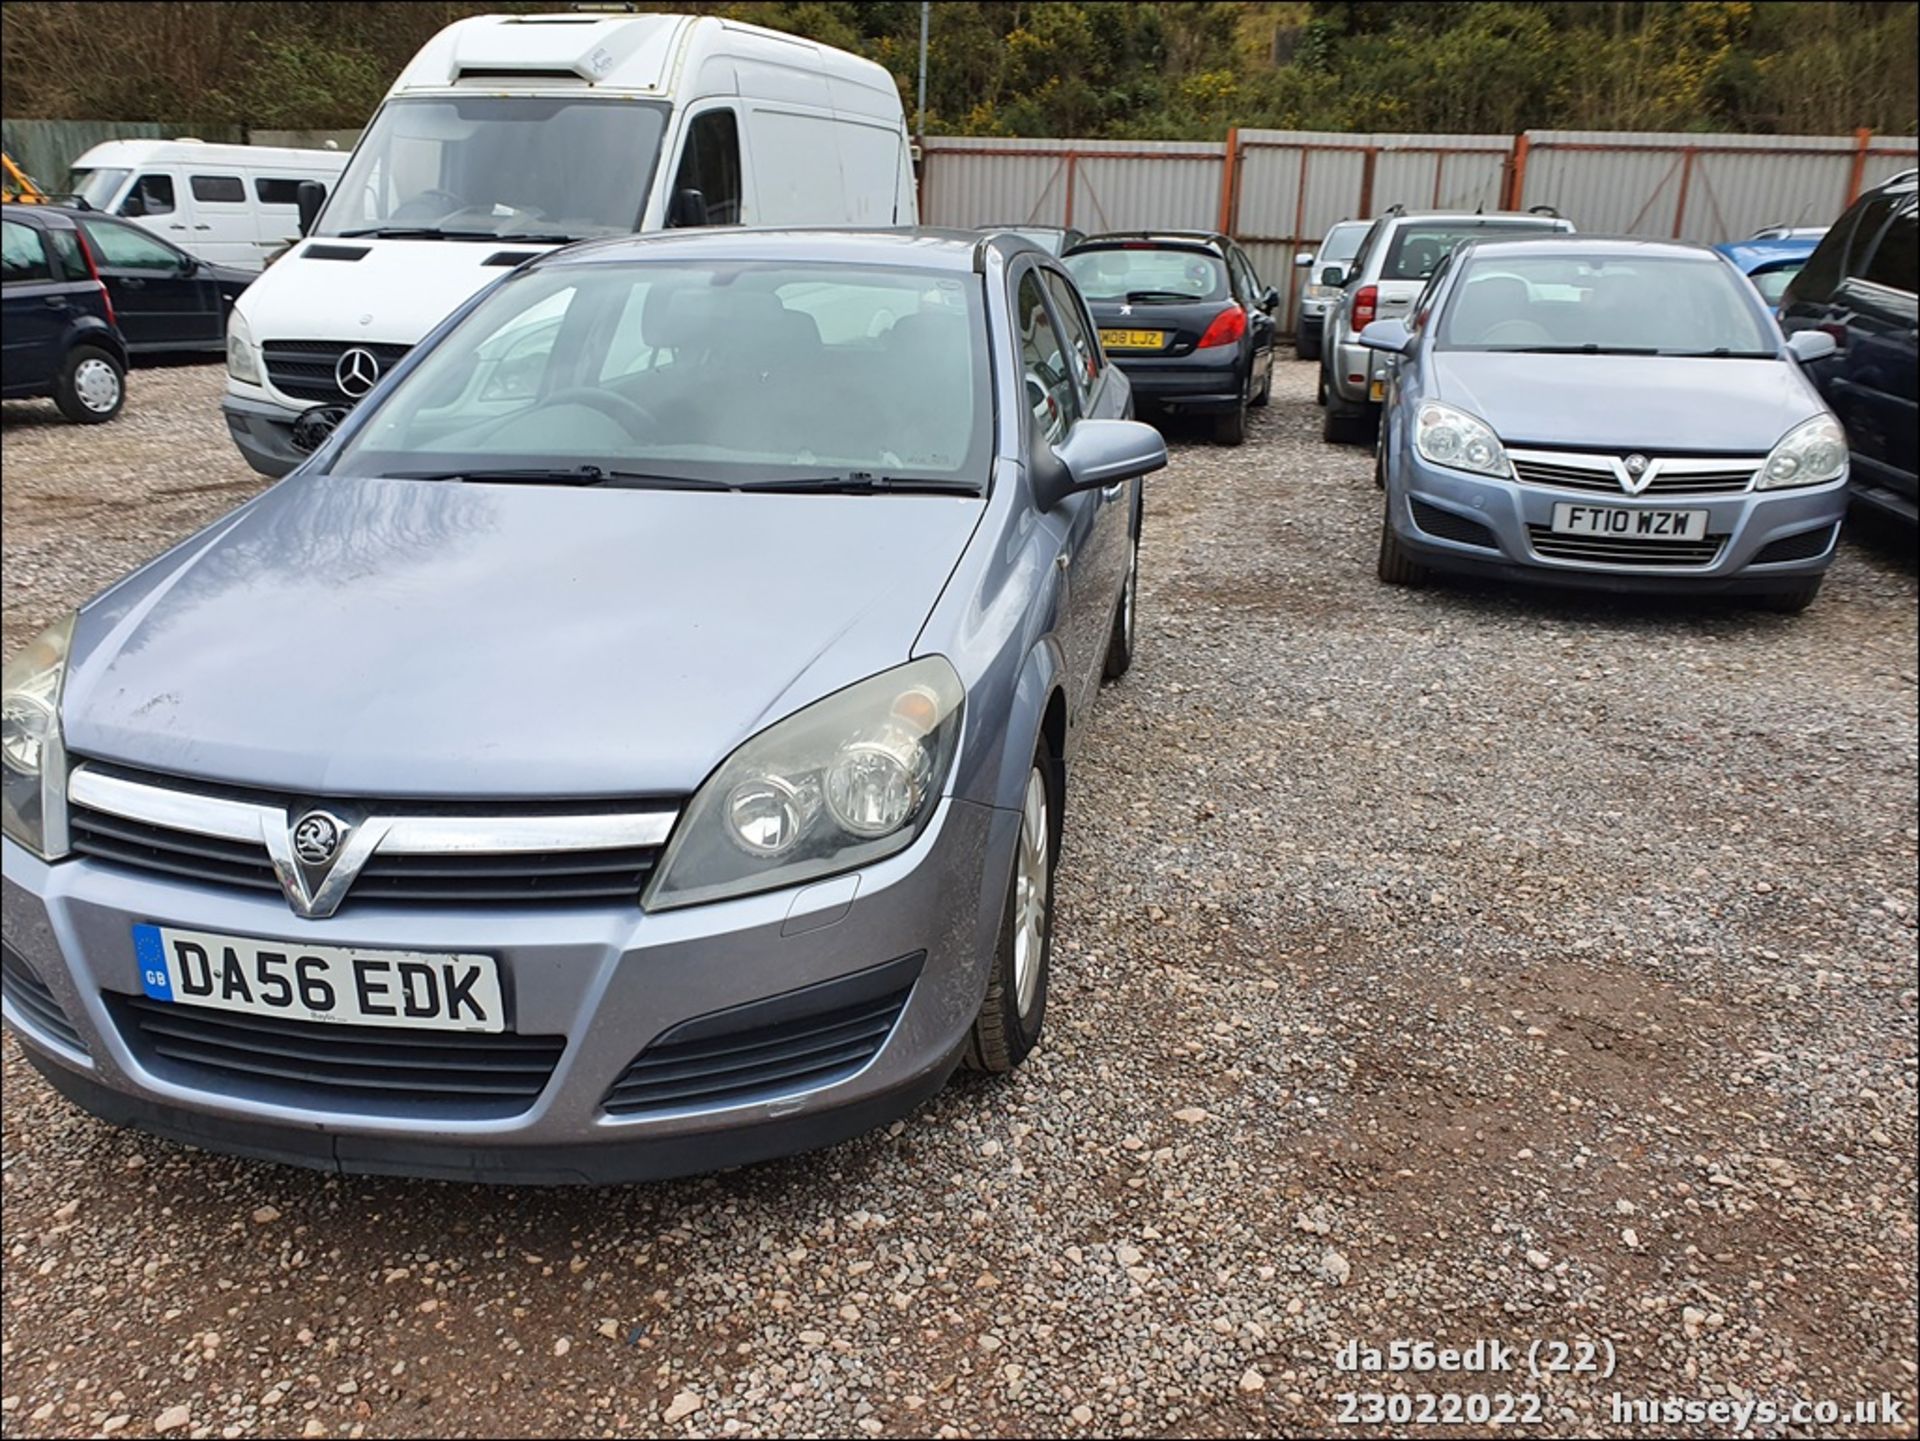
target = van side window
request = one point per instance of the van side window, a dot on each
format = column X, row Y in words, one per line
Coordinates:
column 272, row 190
column 151, row 195
column 227, row 188
column 21, row 256
column 1049, row 389
column 1893, row 260
column 710, row 163
column 1086, row 350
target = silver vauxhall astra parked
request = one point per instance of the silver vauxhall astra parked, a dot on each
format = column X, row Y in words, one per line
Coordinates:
column 636, row 741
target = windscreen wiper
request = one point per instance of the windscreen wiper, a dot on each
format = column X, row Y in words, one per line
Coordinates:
column 566, row 475
column 860, row 482
column 554, row 237
column 1576, row 349
column 1721, row 352
column 412, row 232
column 1147, row 297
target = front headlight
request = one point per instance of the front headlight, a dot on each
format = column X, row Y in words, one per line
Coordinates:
column 848, row 781
column 33, row 764
column 1812, row 453
column 1320, row 292
column 243, row 361
column 1459, row 441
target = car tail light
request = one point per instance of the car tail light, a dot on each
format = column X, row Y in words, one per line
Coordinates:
column 1366, row 301
column 106, row 296
column 1228, row 326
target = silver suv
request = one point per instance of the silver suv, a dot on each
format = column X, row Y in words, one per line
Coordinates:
column 1398, row 257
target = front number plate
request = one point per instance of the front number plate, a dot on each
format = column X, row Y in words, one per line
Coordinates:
column 428, row 991
column 1637, row 524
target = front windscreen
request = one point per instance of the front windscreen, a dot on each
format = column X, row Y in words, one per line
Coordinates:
column 499, row 167
column 1146, row 274
column 1637, row 305
column 730, row 371
column 97, row 187
column 1343, row 243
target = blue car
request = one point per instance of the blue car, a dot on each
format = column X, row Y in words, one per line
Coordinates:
column 1614, row 414
column 1771, row 258
column 635, row 742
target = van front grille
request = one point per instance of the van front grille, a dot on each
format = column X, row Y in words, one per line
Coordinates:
column 307, row 369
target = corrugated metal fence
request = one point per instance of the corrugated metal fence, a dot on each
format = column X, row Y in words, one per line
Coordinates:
column 1277, row 191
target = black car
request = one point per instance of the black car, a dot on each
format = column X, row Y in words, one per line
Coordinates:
column 166, row 299
column 1859, row 287
column 59, row 336
column 1184, row 315
column 1054, row 239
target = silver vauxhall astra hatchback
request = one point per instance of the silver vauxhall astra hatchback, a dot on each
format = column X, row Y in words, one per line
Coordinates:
column 634, row 743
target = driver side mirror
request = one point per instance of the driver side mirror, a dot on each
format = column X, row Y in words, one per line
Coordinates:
column 134, row 206
column 1096, row 453
column 687, row 208
column 308, row 197
column 1807, row 346
column 1305, row 257
column 1391, row 336
column 1333, row 275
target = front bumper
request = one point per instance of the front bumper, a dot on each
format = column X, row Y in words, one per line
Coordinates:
column 607, row 979
column 263, row 432
column 1505, row 510
column 1192, row 384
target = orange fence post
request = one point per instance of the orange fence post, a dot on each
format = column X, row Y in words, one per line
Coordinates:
column 1517, row 172
column 1862, row 138
column 1229, row 181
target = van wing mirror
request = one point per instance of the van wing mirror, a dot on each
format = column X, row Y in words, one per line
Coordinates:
column 309, row 196
column 1095, row 453
column 687, row 208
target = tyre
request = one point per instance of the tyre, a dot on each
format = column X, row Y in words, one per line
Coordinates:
column 1265, row 392
column 92, row 386
column 1379, row 464
column 1320, row 390
column 1307, row 347
column 1231, row 428
column 1396, row 566
column 1791, row 602
column 1016, row 1001
column 1120, row 639
column 1338, row 425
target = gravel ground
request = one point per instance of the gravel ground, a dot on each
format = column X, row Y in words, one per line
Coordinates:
column 1436, row 965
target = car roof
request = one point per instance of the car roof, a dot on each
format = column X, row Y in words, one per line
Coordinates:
column 1578, row 243
column 1538, row 216
column 925, row 247
column 61, row 218
column 1751, row 255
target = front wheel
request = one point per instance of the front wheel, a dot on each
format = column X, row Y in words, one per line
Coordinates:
column 1396, row 566
column 1010, row 1016
column 1307, row 347
column 92, row 386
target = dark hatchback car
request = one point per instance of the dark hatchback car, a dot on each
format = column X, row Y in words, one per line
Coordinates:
column 59, row 337
column 1187, row 319
column 1859, row 287
column 164, row 298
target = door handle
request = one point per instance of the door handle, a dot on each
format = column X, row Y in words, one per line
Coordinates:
column 203, row 227
column 134, row 282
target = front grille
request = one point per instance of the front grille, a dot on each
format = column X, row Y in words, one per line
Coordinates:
column 1448, row 526
column 1805, row 546
column 467, row 875
column 799, row 1041
column 1593, row 474
column 400, row 1070
column 35, row 1002
column 304, row 368
column 1625, row 550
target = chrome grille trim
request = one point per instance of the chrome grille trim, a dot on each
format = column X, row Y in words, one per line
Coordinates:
column 1592, row 472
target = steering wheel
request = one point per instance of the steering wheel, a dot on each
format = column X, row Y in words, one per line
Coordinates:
column 634, row 417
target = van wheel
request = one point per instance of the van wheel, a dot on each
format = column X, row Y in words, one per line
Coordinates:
column 1016, row 1002
column 1791, row 602
column 92, row 386
column 1231, row 428
column 1396, row 566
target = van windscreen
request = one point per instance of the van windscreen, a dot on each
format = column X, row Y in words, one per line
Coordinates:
column 493, row 167
column 98, row 186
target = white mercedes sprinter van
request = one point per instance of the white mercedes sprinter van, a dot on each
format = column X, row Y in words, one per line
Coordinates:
column 509, row 134
column 228, row 204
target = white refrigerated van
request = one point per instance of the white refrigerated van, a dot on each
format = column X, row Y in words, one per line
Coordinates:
column 509, row 134
column 230, row 204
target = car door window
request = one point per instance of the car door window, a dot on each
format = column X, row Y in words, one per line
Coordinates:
column 22, row 258
column 1088, row 359
column 127, row 248
column 71, row 260
column 151, row 195
column 1893, row 262
column 1049, row 383
column 710, row 163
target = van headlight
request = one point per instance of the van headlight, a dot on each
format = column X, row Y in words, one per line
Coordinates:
column 1812, row 453
column 845, row 782
column 33, row 763
column 243, row 360
column 1459, row 441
